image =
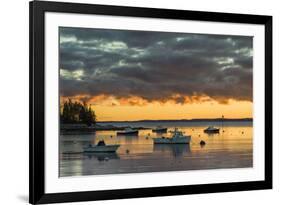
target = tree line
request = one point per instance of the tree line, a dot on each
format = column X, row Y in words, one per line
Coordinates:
column 76, row 112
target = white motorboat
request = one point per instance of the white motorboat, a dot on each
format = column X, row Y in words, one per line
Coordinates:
column 160, row 129
column 212, row 129
column 100, row 147
column 128, row 131
column 177, row 138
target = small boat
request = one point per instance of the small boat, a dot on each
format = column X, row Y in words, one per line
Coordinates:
column 128, row 131
column 100, row 147
column 160, row 129
column 212, row 129
column 177, row 138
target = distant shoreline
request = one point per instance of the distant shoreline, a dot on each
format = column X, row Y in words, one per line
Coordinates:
column 99, row 126
column 186, row 120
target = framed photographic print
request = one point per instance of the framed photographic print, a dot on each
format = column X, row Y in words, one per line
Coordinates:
column 140, row 102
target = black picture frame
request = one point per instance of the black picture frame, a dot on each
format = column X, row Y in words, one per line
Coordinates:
column 37, row 194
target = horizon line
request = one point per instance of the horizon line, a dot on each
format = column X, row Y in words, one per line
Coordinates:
column 194, row 119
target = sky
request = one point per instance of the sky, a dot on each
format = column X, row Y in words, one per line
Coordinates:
column 137, row 75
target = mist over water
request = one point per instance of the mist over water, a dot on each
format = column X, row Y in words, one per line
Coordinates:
column 231, row 148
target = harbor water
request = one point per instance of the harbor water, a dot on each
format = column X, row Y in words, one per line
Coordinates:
column 231, row 148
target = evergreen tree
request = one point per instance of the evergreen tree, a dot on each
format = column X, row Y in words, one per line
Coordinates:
column 77, row 113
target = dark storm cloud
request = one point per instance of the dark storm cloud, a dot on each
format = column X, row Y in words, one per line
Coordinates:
column 155, row 65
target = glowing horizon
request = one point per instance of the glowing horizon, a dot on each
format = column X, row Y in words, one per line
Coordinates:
column 168, row 110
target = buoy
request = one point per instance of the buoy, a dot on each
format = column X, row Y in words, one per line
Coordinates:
column 202, row 142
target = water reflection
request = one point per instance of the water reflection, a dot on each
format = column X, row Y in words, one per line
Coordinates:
column 232, row 148
column 128, row 139
column 175, row 150
column 212, row 134
column 102, row 156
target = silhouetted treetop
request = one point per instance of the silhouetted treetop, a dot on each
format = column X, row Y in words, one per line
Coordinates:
column 76, row 112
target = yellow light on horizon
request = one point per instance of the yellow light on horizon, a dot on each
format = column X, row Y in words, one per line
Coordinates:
column 111, row 109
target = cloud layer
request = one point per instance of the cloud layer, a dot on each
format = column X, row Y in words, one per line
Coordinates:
column 155, row 66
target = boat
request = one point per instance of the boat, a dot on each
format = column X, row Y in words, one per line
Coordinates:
column 212, row 129
column 128, row 131
column 177, row 138
column 100, row 147
column 160, row 129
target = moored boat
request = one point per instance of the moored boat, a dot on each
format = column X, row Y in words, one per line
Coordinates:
column 212, row 129
column 177, row 138
column 128, row 131
column 160, row 129
column 100, row 147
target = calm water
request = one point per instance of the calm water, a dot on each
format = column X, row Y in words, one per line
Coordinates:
column 230, row 149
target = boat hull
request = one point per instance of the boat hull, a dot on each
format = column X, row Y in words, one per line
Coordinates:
column 212, row 131
column 178, row 140
column 101, row 149
column 135, row 132
column 160, row 130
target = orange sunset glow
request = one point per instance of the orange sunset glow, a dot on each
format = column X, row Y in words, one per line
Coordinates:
column 110, row 109
column 156, row 111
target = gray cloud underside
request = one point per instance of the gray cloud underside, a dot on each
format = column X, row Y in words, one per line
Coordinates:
column 155, row 65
